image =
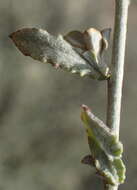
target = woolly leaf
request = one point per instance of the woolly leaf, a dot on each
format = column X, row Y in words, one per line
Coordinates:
column 105, row 149
column 62, row 52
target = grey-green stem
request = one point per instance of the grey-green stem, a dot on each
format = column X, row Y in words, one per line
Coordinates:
column 118, row 53
column 115, row 83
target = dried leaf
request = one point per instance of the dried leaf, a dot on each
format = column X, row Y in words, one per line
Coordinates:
column 76, row 39
column 91, row 45
column 93, row 39
column 105, row 149
column 106, row 37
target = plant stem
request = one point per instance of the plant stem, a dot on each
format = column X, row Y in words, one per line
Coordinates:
column 115, row 82
column 118, row 53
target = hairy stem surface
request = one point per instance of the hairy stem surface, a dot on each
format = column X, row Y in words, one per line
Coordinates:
column 115, row 83
column 118, row 53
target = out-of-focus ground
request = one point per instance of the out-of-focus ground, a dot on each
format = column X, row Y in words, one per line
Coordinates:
column 42, row 138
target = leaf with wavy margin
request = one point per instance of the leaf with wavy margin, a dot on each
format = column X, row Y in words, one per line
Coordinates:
column 105, row 148
column 46, row 48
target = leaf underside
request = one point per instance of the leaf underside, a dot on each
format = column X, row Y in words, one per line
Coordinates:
column 105, row 149
column 46, row 48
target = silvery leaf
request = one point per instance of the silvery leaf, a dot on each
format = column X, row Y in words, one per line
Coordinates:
column 46, row 48
column 106, row 150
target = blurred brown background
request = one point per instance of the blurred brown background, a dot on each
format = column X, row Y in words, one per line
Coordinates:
column 42, row 138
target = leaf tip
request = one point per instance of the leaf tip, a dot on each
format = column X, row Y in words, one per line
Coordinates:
column 10, row 35
column 13, row 34
column 16, row 37
column 85, row 108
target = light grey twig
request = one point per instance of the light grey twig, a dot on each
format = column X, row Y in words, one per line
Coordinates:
column 116, row 81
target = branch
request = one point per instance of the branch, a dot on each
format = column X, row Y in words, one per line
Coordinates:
column 82, row 53
column 116, row 81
